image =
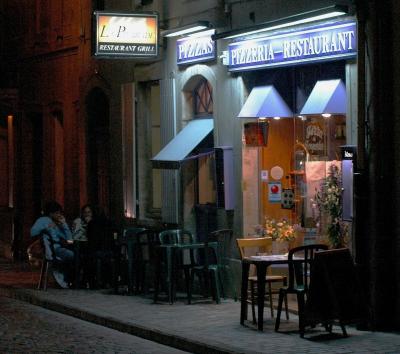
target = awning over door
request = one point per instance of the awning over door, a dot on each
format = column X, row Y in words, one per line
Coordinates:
column 327, row 96
column 180, row 147
column 265, row 101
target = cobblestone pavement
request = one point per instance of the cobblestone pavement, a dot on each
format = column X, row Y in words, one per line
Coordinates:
column 25, row 328
column 202, row 327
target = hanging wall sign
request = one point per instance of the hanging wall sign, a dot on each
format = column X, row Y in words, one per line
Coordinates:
column 274, row 192
column 328, row 42
column 126, row 35
column 195, row 49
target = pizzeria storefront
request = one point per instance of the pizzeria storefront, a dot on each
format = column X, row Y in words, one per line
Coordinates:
column 299, row 136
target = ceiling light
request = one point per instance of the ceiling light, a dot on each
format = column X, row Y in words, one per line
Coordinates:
column 277, row 118
column 326, row 115
column 298, row 19
column 191, row 28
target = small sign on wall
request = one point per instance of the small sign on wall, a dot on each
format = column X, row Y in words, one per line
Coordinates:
column 274, row 192
column 264, row 175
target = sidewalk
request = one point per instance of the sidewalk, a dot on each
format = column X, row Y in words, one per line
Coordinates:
column 203, row 327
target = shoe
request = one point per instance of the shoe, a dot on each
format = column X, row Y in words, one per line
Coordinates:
column 59, row 278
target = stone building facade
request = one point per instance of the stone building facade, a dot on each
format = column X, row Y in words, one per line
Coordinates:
column 79, row 129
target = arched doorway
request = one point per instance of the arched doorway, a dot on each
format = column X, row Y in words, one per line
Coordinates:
column 98, row 148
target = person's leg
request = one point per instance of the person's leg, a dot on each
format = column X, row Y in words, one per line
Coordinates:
column 66, row 257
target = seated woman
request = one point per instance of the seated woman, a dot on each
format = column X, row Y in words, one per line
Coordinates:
column 79, row 225
column 79, row 234
column 53, row 225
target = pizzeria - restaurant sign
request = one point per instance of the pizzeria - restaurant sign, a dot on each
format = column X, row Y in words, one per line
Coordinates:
column 328, row 42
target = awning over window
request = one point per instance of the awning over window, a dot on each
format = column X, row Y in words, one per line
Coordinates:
column 180, row 147
column 265, row 101
column 328, row 96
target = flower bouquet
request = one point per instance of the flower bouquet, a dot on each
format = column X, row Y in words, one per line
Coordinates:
column 280, row 230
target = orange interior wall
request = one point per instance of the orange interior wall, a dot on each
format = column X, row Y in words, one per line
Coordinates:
column 278, row 152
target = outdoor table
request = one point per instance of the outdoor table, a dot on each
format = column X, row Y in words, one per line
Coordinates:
column 261, row 263
column 171, row 251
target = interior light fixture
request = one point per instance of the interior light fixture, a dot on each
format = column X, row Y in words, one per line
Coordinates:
column 326, row 115
column 301, row 117
column 182, row 30
column 277, row 118
column 297, row 19
column 262, row 118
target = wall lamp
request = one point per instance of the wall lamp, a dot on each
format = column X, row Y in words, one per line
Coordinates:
column 297, row 19
column 191, row 28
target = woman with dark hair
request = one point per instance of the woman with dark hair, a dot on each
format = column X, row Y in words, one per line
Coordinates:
column 79, row 225
column 57, row 237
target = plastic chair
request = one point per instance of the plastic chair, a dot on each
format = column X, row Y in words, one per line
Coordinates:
column 252, row 246
column 299, row 275
column 140, row 244
column 177, row 237
column 210, row 269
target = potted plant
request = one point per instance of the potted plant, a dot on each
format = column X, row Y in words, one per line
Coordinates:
column 329, row 202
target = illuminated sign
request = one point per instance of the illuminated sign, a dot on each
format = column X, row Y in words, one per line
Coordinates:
column 195, row 49
column 126, row 35
column 328, row 42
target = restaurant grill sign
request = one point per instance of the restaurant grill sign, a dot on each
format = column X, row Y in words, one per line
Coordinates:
column 195, row 50
column 126, row 35
column 328, row 42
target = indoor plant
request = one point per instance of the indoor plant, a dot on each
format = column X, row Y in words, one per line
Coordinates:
column 329, row 202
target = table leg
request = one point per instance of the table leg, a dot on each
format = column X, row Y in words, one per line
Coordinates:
column 77, row 266
column 261, row 273
column 243, row 298
column 130, row 266
column 157, row 273
column 169, row 275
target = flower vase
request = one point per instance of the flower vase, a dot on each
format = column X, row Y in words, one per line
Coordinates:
column 280, row 247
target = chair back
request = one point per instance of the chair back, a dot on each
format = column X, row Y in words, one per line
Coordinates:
column 299, row 269
column 175, row 236
column 35, row 252
column 251, row 246
column 223, row 237
column 132, row 231
column 146, row 240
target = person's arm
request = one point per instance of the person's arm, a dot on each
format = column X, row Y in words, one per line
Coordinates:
column 41, row 224
column 64, row 228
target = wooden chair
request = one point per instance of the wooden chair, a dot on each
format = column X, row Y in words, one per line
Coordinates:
column 250, row 247
column 299, row 275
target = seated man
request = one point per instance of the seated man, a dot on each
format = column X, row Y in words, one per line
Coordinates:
column 53, row 225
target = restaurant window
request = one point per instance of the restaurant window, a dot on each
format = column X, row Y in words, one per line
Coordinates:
column 202, row 98
column 297, row 155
